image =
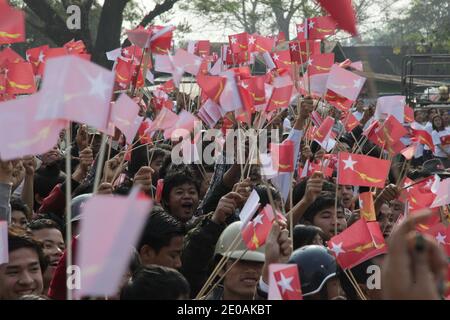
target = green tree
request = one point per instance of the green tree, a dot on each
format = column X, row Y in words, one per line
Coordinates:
column 101, row 25
column 425, row 26
column 265, row 16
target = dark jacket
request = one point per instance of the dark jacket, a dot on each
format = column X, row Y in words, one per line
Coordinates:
column 198, row 252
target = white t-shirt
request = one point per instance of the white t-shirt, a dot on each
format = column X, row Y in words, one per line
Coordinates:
column 437, row 135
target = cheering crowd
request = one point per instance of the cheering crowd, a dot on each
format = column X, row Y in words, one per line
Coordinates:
column 196, row 221
column 344, row 199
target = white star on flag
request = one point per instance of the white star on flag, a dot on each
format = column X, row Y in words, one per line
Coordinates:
column 125, row 52
column 337, row 249
column 357, row 83
column 27, row 57
column 310, row 62
column 407, row 185
column 300, row 28
column 233, row 40
column 99, row 87
column 251, row 40
column 440, row 238
column 293, row 47
column 285, row 283
column 276, row 57
column 257, row 220
column 349, row 163
column 41, row 57
column 244, row 85
column 311, row 24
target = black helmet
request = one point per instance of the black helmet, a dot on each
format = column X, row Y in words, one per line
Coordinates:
column 315, row 267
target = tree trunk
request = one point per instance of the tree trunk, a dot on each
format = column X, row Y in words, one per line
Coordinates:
column 109, row 31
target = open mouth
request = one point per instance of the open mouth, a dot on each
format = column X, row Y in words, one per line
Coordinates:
column 249, row 280
column 187, row 206
column 25, row 292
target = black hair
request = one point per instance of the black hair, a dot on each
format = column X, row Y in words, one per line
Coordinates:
column 359, row 273
column 264, row 200
column 304, row 235
column 45, row 179
column 177, row 177
column 300, row 189
column 325, row 200
column 19, row 239
column 442, row 123
column 40, row 224
column 159, row 230
column 157, row 152
column 17, row 204
column 155, row 283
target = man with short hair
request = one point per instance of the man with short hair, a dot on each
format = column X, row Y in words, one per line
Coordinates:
column 48, row 234
column 162, row 240
column 22, row 275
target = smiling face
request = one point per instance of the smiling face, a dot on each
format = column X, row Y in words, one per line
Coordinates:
column 21, row 276
column 240, row 282
column 53, row 244
column 183, row 201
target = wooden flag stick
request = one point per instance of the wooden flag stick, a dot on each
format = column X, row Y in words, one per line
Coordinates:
column 100, row 164
column 68, row 206
column 223, row 260
column 226, row 272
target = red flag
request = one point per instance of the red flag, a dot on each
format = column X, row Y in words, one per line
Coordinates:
column 255, row 86
column 75, row 46
column 409, row 114
column 345, row 83
column 159, row 190
column 360, row 170
column 36, row 57
column 280, row 98
column 256, row 231
column 299, row 50
column 350, row 122
column 355, row 245
column 324, row 129
column 288, row 283
column 366, row 206
column 339, row 102
column 212, row 86
column 20, row 78
column 168, row 86
column 124, row 72
column 203, row 48
column 423, row 137
column 389, row 134
column 263, row 44
column 441, row 234
column 283, row 156
column 343, row 13
column 12, row 25
column 282, row 59
column 320, row 63
column 317, row 28
column 10, row 55
column 238, row 42
column 163, row 43
column 316, row 118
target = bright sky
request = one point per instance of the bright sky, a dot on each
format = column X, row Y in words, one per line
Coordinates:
column 203, row 29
